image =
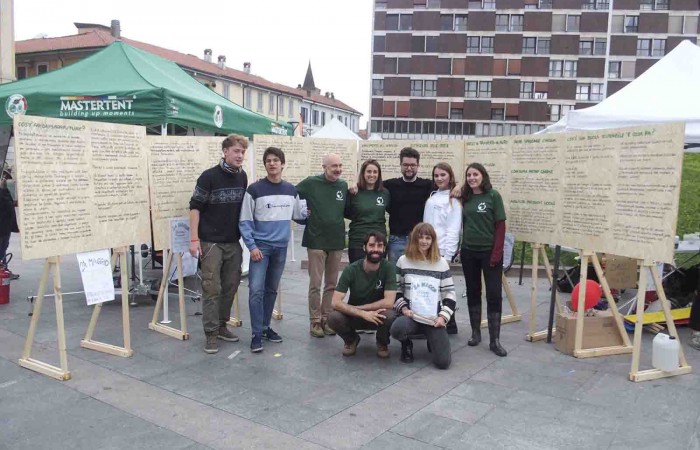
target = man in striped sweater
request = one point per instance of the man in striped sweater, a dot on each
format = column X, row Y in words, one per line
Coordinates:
column 268, row 206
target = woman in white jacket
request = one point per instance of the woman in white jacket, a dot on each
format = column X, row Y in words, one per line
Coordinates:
column 444, row 213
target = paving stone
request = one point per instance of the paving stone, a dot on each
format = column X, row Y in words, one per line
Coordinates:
column 391, row 441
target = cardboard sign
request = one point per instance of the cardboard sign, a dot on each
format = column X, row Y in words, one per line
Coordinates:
column 96, row 273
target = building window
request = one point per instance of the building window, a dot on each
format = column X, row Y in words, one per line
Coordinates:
column 658, row 47
column 456, row 113
column 529, row 45
column 405, row 22
column 585, row 47
column 600, row 46
column 596, row 4
column 260, row 101
column 227, row 87
column 433, row 4
column 304, row 114
column 380, row 4
column 42, row 69
column 432, row 44
column 570, row 69
column 460, row 22
column 484, row 89
column 323, row 118
column 651, row 5
column 555, row 68
column 392, row 22
column 248, row 101
column 473, row 44
column 291, row 108
column 314, row 115
column 390, row 65
column 471, row 89
column 614, row 69
column 543, row 46
column 377, row 87
column 446, row 22
column 416, row 88
column 271, row 104
column 498, row 113
column 502, row 21
column 430, row 88
column 280, row 106
column 557, row 112
column 631, row 24
column 379, row 43
column 516, row 22
column 527, row 89
column 486, row 44
column 489, row 4
column 21, row 72
column 545, row 4
column 583, row 91
column 643, row 47
column 572, row 22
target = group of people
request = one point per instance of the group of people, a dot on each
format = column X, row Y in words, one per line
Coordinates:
column 399, row 287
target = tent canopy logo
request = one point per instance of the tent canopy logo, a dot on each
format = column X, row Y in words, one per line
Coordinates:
column 97, row 106
column 218, row 116
column 15, row 105
column 276, row 129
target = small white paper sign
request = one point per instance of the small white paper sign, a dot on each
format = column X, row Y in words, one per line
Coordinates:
column 180, row 234
column 96, row 273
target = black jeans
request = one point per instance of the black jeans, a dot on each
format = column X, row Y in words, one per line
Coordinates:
column 473, row 265
column 438, row 340
column 355, row 253
column 347, row 326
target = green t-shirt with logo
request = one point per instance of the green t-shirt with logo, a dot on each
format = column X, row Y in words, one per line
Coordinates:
column 479, row 216
column 367, row 212
column 367, row 287
column 325, row 228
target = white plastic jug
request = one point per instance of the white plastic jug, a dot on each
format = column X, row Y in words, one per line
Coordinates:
column 665, row 352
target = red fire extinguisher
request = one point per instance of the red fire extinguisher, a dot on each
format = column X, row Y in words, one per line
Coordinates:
column 5, row 277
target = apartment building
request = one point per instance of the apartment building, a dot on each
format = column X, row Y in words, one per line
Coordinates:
column 275, row 100
column 451, row 69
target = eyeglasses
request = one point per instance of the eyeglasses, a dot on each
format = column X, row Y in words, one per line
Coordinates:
column 409, row 166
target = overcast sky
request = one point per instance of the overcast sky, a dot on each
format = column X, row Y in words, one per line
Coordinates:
column 279, row 37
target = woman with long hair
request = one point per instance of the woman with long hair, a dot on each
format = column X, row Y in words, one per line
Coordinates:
column 483, row 234
column 367, row 208
column 425, row 296
column 444, row 213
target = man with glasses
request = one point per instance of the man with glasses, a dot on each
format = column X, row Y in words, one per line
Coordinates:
column 408, row 196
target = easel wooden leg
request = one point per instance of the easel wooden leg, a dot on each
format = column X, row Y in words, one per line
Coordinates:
column 277, row 312
column 540, row 335
column 653, row 374
column 581, row 310
column 533, row 291
column 235, row 321
column 26, row 360
column 91, row 344
column 611, row 301
column 182, row 333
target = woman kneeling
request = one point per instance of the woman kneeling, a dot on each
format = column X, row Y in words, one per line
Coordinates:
column 425, row 297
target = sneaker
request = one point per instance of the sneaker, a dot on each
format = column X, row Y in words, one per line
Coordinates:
column 256, row 344
column 271, row 336
column 226, row 335
column 211, row 346
column 328, row 330
column 351, row 349
column 316, row 330
column 382, row 351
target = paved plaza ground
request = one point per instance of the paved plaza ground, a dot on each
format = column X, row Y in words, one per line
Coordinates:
column 303, row 394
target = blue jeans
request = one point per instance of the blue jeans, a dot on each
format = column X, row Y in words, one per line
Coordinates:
column 264, row 279
column 397, row 247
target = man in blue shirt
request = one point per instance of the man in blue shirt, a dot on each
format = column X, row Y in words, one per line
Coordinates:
column 268, row 206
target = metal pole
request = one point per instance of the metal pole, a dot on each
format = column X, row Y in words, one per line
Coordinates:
column 606, row 71
column 522, row 265
column 555, row 287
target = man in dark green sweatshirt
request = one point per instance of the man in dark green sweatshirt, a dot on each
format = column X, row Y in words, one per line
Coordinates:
column 324, row 237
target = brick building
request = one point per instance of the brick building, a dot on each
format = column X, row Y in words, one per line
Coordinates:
column 448, row 69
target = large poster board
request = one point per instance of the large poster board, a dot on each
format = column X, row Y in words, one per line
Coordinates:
column 431, row 152
column 175, row 163
column 82, row 185
column 303, row 156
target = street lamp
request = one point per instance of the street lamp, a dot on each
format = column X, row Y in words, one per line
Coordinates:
column 294, row 124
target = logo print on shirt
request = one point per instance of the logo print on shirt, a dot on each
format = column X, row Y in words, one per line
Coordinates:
column 339, row 195
column 481, row 207
column 380, row 201
column 379, row 284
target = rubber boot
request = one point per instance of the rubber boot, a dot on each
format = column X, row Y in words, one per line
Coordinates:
column 407, row 351
column 494, row 320
column 475, row 321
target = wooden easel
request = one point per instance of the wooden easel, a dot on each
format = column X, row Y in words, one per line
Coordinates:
column 91, row 344
column 26, row 361
column 277, row 312
column 580, row 352
column 182, row 333
column 538, row 249
column 653, row 374
column 235, row 321
column 514, row 316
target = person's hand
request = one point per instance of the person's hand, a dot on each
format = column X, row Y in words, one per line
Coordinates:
column 352, row 189
column 494, row 261
column 256, row 254
column 456, row 192
column 195, row 248
column 439, row 322
column 375, row 317
column 406, row 311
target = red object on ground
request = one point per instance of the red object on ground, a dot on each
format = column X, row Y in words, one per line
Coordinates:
column 593, row 293
column 5, row 277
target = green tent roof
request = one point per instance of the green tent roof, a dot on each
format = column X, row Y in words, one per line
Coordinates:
column 124, row 84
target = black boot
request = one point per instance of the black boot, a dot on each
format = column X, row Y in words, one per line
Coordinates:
column 452, row 325
column 494, row 320
column 407, row 351
column 475, row 321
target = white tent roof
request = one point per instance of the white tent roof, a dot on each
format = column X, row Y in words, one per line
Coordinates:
column 335, row 130
column 669, row 91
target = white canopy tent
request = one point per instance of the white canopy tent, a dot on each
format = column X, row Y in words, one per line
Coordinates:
column 669, row 91
column 335, row 130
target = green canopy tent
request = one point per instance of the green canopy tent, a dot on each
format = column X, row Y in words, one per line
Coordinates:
column 124, row 84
